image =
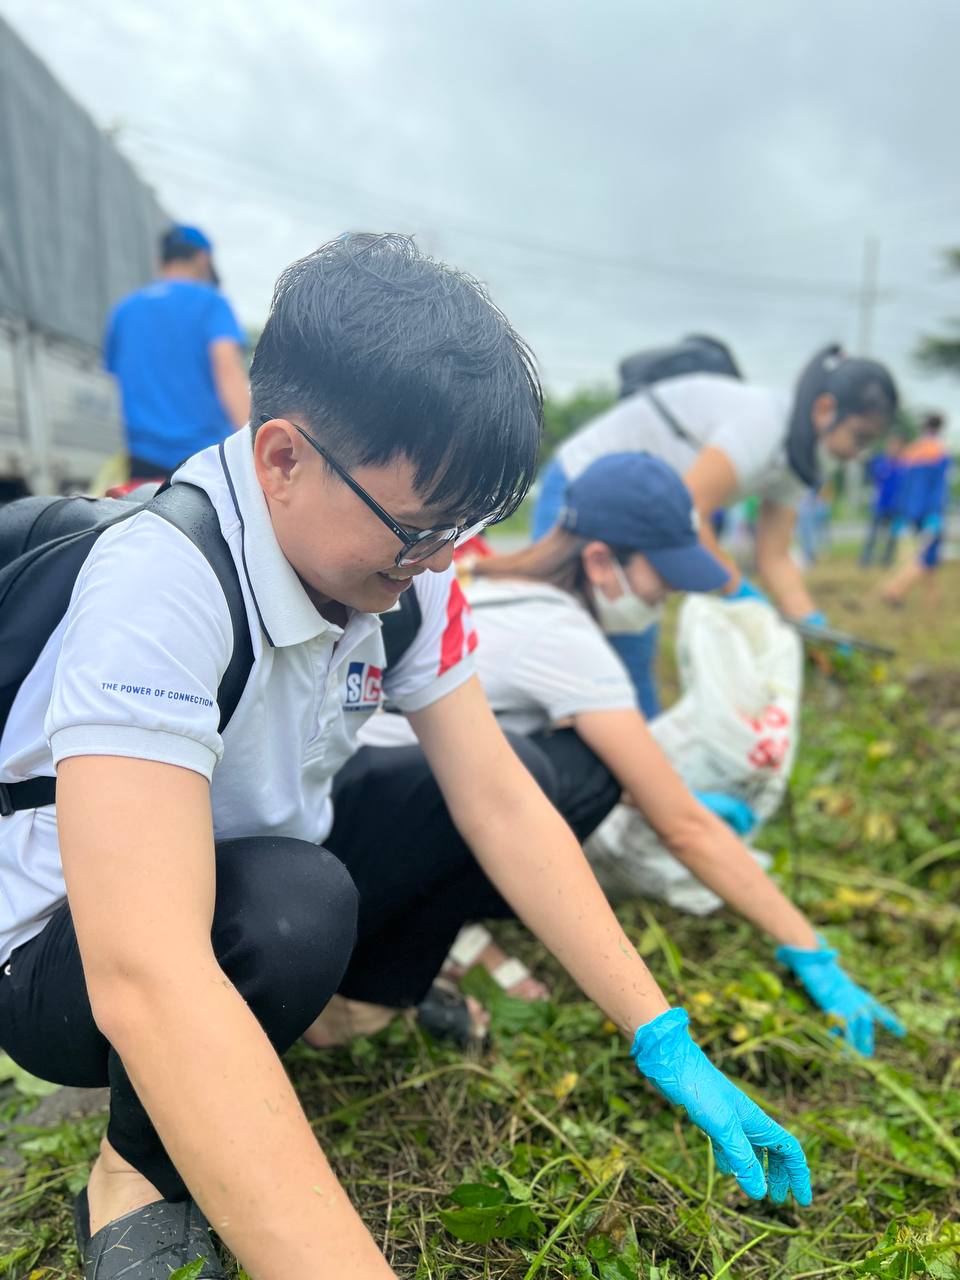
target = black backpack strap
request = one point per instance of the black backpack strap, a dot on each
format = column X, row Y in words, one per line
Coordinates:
column 190, row 510
column 670, row 418
column 399, row 628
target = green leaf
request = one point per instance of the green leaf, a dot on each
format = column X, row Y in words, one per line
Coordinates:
column 519, row 1191
column 477, row 1195
column 190, row 1271
column 500, row 1222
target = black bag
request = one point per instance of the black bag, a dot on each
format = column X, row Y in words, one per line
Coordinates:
column 43, row 545
column 697, row 353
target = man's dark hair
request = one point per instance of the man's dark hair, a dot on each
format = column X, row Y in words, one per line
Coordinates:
column 933, row 423
column 380, row 351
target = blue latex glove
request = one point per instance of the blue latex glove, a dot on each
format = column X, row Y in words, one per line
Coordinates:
column 815, row 619
column 739, row 1131
column 746, row 591
column 836, row 993
column 735, row 813
column 819, row 619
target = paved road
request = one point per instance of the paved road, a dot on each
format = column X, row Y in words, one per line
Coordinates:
column 842, row 532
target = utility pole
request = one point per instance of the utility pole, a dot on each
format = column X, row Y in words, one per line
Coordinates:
column 868, row 295
column 867, row 299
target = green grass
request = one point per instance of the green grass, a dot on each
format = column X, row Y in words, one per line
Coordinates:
column 549, row 1157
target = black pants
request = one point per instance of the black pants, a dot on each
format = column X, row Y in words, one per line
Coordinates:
column 286, row 920
column 386, row 798
column 284, row 927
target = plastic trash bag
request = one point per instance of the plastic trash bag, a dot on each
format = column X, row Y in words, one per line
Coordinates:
column 734, row 729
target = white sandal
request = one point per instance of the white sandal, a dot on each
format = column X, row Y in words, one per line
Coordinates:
column 469, row 945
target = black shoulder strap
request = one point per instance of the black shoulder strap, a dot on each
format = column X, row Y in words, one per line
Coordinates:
column 670, row 418
column 190, row 510
column 400, row 626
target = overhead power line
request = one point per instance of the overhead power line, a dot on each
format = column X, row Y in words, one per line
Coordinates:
column 296, row 186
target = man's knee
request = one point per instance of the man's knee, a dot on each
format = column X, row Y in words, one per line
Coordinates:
column 290, row 903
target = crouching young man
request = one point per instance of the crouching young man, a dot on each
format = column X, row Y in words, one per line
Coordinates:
column 173, row 923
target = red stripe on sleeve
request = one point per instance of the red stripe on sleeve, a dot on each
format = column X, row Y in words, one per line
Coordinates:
column 451, row 645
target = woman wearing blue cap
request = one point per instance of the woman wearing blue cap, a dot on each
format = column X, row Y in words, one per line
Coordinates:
column 627, row 536
column 730, row 440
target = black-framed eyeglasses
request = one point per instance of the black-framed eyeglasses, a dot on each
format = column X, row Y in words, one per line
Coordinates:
column 418, row 545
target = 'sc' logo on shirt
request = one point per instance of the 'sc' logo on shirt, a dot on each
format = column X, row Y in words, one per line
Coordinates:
column 364, row 686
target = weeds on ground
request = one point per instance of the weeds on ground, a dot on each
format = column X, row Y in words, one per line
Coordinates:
column 550, row 1157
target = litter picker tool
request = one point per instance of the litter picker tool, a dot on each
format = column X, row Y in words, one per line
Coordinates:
column 816, row 634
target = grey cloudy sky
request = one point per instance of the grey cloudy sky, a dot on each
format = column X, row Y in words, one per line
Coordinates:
column 618, row 172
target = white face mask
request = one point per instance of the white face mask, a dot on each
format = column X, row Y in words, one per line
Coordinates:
column 628, row 614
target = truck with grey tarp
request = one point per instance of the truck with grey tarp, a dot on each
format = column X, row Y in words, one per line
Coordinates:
column 78, row 230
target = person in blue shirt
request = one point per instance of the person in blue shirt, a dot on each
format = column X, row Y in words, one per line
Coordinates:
column 885, row 473
column 176, row 349
column 924, row 498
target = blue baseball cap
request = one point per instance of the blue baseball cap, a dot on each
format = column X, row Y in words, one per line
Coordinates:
column 180, row 234
column 636, row 502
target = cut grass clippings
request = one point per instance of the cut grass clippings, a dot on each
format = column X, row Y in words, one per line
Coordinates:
column 549, row 1156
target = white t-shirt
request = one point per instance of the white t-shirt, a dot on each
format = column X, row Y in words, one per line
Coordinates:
column 749, row 424
column 133, row 670
column 541, row 658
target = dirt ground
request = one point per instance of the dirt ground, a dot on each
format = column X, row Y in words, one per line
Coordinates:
column 925, row 632
column 547, row 1157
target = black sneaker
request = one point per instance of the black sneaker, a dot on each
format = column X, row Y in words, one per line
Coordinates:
column 147, row 1244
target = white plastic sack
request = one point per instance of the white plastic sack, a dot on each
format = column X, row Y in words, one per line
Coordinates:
column 734, row 730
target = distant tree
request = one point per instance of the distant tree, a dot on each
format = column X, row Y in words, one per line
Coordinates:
column 562, row 416
column 940, row 353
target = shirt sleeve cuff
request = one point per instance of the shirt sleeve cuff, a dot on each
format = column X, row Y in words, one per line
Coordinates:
column 135, row 742
column 562, row 712
column 439, row 688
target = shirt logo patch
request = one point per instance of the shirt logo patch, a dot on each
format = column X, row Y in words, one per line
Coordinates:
column 364, row 687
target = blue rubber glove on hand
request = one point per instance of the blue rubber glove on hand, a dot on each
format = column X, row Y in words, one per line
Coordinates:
column 745, row 590
column 735, row 813
column 739, row 1131
column 836, row 993
column 815, row 619
column 819, row 619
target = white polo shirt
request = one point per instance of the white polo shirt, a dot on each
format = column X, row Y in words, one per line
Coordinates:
column 749, row 424
column 541, row 658
column 133, row 670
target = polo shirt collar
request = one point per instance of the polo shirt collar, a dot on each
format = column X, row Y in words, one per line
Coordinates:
column 287, row 614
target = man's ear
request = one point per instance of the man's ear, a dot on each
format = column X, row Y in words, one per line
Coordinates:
column 824, row 412
column 277, row 457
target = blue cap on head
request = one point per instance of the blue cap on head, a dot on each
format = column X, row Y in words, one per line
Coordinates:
column 182, row 234
column 636, row 502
